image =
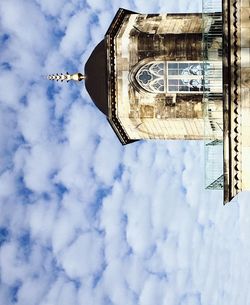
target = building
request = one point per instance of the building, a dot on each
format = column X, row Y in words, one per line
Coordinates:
column 180, row 76
column 153, row 66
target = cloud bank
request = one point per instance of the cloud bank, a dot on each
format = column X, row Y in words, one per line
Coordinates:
column 84, row 220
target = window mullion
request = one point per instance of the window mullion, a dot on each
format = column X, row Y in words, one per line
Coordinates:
column 189, row 76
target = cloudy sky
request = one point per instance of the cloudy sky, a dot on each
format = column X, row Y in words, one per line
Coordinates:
column 85, row 221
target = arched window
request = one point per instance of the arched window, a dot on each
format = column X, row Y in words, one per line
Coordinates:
column 151, row 77
column 173, row 77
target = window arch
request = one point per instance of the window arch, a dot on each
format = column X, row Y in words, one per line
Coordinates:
column 173, row 77
column 151, row 77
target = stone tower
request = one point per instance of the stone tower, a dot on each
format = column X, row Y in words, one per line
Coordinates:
column 154, row 70
column 180, row 76
column 159, row 76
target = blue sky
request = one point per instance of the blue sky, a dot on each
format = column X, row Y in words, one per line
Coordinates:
column 84, row 220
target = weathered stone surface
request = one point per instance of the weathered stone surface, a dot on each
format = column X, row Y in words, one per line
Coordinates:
column 245, row 72
column 245, row 37
column 244, row 17
column 144, row 39
column 245, row 3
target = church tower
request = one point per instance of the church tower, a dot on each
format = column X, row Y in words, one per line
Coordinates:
column 180, row 76
column 150, row 73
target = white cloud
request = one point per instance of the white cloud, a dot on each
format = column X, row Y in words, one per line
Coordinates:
column 139, row 229
column 31, row 296
column 51, row 8
column 11, row 270
column 7, row 183
column 67, row 295
column 16, row 21
column 135, row 274
column 83, row 257
column 8, row 96
column 38, row 167
column 153, row 291
column 147, row 7
column 42, row 220
column 61, row 292
column 106, row 163
column 76, row 35
column 180, row 6
column 99, row 5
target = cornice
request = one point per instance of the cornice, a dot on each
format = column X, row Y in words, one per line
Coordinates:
column 110, row 43
column 232, row 105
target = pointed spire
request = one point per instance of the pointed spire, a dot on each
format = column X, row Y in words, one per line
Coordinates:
column 67, row 77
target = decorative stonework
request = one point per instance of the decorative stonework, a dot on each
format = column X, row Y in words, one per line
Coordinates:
column 236, row 97
column 110, row 37
column 236, row 105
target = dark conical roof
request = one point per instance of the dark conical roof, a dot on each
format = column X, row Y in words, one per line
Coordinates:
column 96, row 77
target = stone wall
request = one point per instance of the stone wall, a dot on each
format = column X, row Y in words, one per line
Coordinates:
column 171, row 23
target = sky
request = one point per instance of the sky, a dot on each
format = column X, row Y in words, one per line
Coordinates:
column 83, row 219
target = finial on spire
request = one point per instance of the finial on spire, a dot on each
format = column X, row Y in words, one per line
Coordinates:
column 67, row 77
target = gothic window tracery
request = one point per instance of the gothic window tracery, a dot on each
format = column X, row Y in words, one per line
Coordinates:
column 188, row 77
column 174, row 77
column 151, row 77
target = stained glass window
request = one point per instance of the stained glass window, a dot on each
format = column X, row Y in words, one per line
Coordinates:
column 151, row 77
column 173, row 77
column 188, row 77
